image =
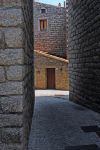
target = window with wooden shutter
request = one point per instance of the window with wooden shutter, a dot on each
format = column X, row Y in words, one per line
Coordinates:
column 43, row 24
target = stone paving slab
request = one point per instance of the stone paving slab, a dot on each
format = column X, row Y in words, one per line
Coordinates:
column 57, row 123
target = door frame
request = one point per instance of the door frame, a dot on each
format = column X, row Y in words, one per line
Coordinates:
column 54, row 77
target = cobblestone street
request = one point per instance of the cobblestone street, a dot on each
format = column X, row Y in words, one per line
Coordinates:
column 57, row 123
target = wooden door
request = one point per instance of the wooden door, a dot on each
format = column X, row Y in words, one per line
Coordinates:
column 50, row 78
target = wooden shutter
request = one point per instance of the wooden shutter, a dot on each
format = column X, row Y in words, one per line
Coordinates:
column 43, row 24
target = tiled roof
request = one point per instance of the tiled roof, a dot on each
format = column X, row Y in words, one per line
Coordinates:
column 51, row 56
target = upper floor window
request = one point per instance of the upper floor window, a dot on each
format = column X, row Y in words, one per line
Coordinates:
column 43, row 24
column 43, row 10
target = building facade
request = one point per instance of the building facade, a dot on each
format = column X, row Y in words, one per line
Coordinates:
column 49, row 70
column 50, row 29
column 16, row 90
column 50, row 47
column 84, row 52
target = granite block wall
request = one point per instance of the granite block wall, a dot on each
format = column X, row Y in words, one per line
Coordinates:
column 84, row 52
column 16, row 73
column 53, row 40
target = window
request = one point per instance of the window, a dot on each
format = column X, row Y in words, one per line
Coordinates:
column 43, row 10
column 43, row 25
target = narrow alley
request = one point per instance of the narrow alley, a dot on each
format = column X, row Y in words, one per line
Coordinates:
column 59, row 123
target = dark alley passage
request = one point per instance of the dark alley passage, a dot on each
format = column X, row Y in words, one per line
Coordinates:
column 57, row 123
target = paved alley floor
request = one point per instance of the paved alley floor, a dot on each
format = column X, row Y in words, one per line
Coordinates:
column 57, row 122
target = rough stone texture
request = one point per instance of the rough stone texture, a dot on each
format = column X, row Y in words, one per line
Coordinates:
column 11, row 57
column 7, row 3
column 11, row 104
column 10, row 17
column 10, row 120
column 84, row 52
column 13, row 37
column 53, row 40
column 11, row 147
column 13, row 88
column 16, row 73
column 10, row 135
column 2, row 74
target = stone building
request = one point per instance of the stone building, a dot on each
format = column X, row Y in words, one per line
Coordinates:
column 50, row 37
column 49, row 70
column 50, row 29
column 84, row 52
column 16, row 73
column 16, row 55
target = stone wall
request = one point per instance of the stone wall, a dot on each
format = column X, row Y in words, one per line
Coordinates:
column 84, row 52
column 44, row 61
column 16, row 73
column 54, row 39
column 60, row 75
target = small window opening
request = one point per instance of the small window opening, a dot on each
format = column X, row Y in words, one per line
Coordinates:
column 43, row 25
column 43, row 11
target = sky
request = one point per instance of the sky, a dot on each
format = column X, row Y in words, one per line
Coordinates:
column 52, row 2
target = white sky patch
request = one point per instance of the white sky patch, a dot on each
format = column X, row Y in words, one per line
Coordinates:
column 52, row 2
